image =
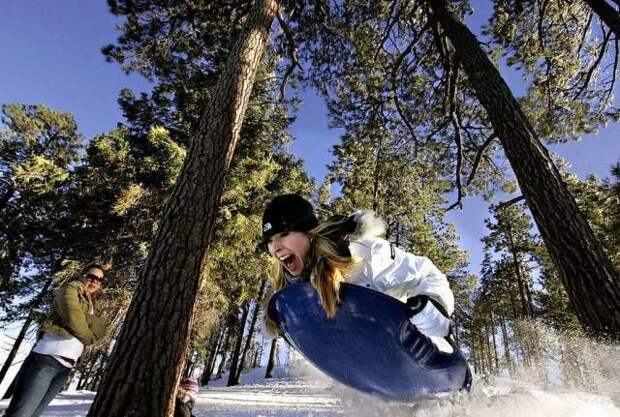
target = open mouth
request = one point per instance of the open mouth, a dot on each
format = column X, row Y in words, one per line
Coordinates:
column 288, row 261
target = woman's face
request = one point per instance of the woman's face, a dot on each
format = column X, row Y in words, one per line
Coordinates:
column 93, row 280
column 291, row 250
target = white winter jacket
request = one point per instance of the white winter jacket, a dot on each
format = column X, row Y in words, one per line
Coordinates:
column 383, row 266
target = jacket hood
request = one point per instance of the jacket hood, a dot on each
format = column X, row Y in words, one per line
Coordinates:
column 368, row 224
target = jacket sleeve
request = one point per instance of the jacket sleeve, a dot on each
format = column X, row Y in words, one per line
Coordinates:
column 402, row 275
column 67, row 305
column 98, row 326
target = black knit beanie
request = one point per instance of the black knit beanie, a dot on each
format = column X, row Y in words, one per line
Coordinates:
column 287, row 213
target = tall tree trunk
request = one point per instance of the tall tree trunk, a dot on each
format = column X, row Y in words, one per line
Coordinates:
column 232, row 374
column 273, row 352
column 88, row 370
column 375, row 187
column 246, row 345
column 189, row 365
column 16, row 346
column 522, row 335
column 225, row 346
column 192, row 368
column 473, row 356
column 487, row 339
column 204, row 378
column 520, row 276
column 95, row 381
column 257, row 356
column 146, row 364
column 513, row 302
column 607, row 14
column 220, row 366
column 24, row 330
column 587, row 273
column 210, row 359
column 220, row 347
column 248, row 340
column 494, row 342
column 82, row 379
column 483, row 354
column 506, row 344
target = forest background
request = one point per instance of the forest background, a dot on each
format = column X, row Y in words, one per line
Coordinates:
column 125, row 173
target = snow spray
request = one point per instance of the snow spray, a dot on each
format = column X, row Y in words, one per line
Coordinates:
column 553, row 374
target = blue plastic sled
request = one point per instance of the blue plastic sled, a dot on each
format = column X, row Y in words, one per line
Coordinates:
column 370, row 344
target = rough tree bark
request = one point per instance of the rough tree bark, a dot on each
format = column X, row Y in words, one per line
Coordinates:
column 272, row 358
column 190, row 365
column 220, row 366
column 225, row 347
column 212, row 353
column 587, row 273
column 506, row 343
column 144, row 369
column 257, row 356
column 234, row 363
column 88, row 371
column 249, row 338
column 526, row 307
column 492, row 324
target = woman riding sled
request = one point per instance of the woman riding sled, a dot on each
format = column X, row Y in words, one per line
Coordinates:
column 349, row 249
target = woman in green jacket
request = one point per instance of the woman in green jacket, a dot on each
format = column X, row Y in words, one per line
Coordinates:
column 70, row 327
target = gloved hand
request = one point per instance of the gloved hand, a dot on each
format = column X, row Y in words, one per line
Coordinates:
column 432, row 320
column 416, row 304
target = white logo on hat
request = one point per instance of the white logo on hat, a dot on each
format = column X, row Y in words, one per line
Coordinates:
column 266, row 227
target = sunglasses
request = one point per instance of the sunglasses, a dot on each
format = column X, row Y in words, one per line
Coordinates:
column 94, row 277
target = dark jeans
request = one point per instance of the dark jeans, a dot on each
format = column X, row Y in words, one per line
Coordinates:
column 40, row 378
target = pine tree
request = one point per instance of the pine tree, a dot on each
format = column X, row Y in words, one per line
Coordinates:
column 38, row 149
column 407, row 196
column 510, row 237
column 424, row 56
column 573, row 246
column 181, row 244
column 599, row 199
column 568, row 60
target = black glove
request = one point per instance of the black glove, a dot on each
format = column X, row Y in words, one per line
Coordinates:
column 416, row 304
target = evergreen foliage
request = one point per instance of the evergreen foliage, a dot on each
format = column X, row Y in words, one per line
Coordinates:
column 568, row 57
column 39, row 148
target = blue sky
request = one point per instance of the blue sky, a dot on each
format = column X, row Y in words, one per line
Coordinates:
column 52, row 56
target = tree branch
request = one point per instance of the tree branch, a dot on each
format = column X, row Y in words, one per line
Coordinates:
column 389, row 26
column 416, row 40
column 613, row 73
column 586, row 29
column 453, row 71
column 479, row 157
column 596, row 63
column 509, row 203
column 292, row 52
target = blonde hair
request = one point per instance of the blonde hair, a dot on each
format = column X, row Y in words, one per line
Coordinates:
column 329, row 265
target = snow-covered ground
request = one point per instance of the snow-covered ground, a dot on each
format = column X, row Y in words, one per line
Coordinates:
column 305, row 393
